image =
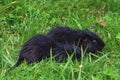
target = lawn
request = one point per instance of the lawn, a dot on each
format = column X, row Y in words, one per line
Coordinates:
column 21, row 19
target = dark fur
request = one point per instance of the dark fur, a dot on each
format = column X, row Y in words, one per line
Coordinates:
column 62, row 41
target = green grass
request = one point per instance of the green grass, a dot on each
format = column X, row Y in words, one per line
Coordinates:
column 21, row 19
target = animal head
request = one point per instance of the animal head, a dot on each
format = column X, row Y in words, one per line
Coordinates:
column 91, row 42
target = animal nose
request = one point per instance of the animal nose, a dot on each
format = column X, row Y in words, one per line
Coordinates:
column 100, row 48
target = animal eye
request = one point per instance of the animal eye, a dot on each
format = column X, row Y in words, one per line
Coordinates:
column 94, row 41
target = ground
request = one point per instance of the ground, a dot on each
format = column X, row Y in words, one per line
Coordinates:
column 21, row 19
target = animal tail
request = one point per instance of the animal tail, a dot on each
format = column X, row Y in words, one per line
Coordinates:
column 19, row 61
